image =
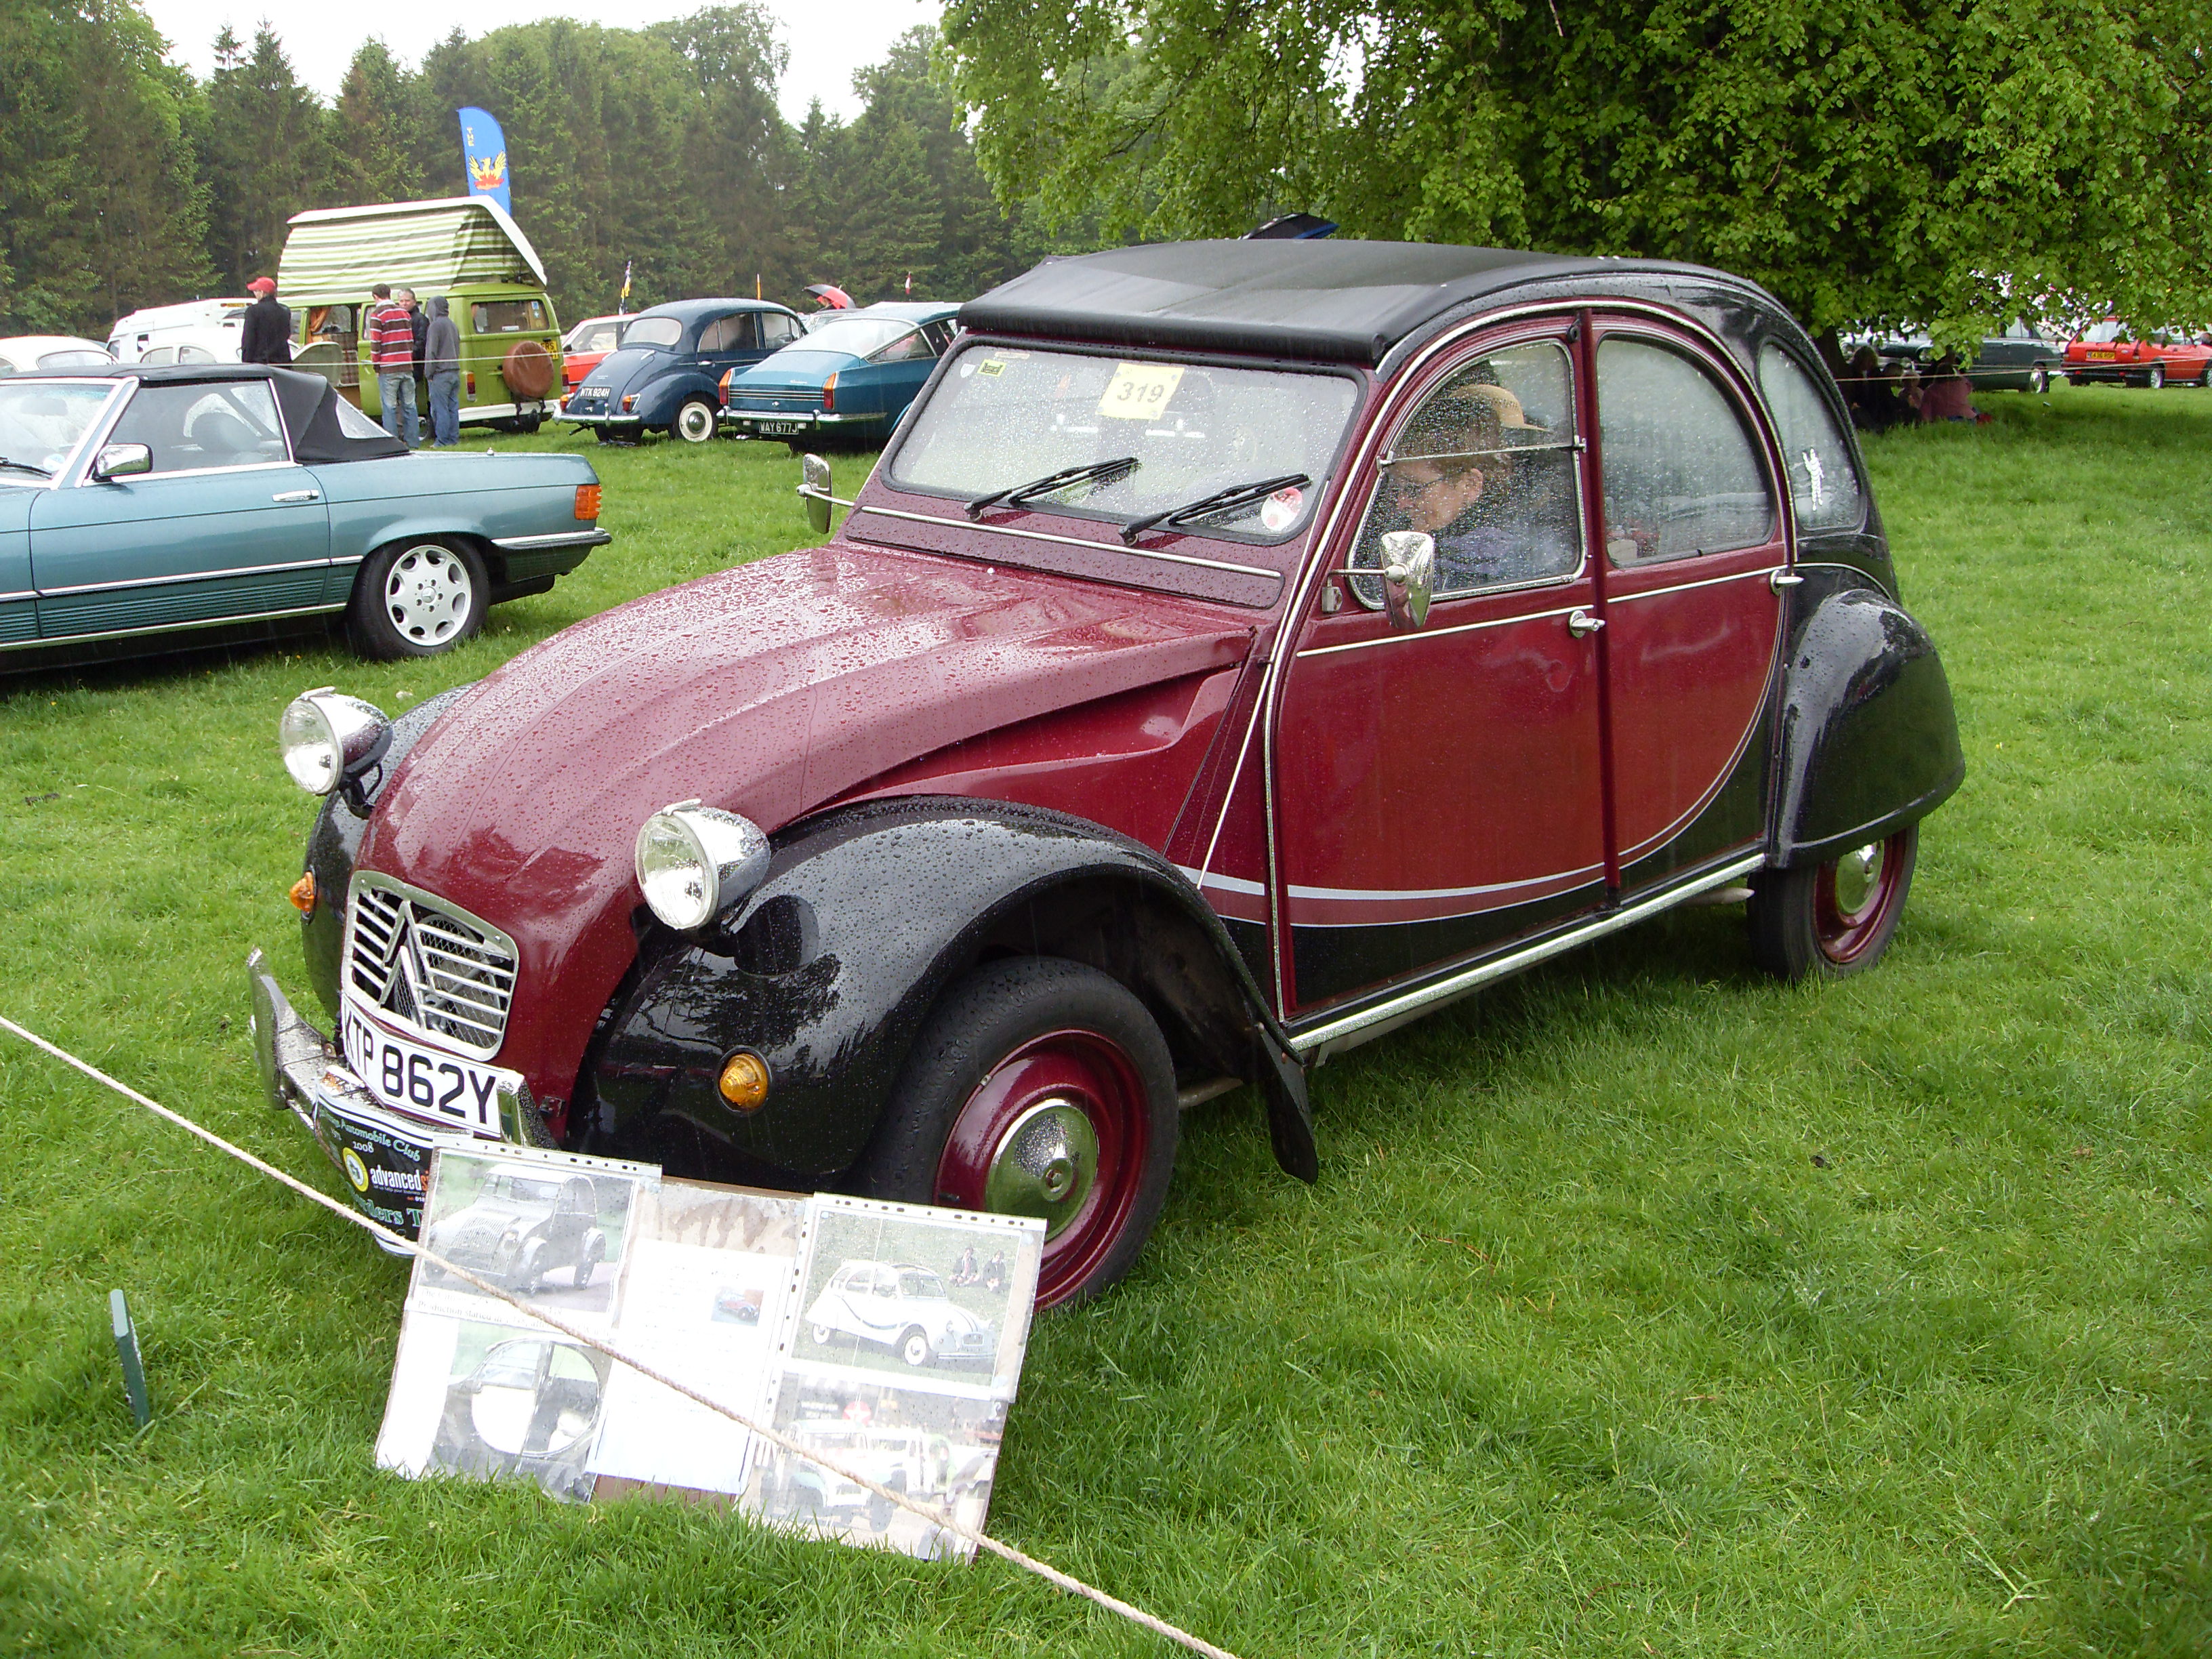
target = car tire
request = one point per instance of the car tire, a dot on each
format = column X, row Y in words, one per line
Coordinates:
column 881, row 1509
column 1825, row 920
column 2039, row 380
column 822, row 1334
column 416, row 598
column 1038, row 1086
column 586, row 1267
column 2154, row 378
column 695, row 421
column 608, row 434
column 914, row 1345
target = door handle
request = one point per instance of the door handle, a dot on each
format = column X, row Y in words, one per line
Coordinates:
column 1782, row 579
column 1582, row 625
column 298, row 495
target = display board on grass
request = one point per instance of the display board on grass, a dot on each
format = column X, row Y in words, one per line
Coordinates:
column 889, row 1337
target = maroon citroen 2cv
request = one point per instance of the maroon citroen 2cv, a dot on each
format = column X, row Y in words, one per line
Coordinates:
column 1242, row 648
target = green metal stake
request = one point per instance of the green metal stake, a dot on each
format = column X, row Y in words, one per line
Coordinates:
column 126, row 1349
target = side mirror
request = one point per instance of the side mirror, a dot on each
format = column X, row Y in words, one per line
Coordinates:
column 120, row 461
column 814, row 488
column 1409, row 578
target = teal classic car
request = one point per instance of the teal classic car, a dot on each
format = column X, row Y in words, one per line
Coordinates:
column 846, row 384
column 147, row 510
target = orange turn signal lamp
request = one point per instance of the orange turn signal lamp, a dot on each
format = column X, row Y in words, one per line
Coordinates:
column 303, row 894
column 744, row 1081
column 587, row 500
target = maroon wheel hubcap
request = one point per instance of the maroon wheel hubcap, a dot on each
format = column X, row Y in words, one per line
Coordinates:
column 1856, row 896
column 1058, row 1130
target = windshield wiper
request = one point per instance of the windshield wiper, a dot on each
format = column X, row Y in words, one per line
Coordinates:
column 1220, row 501
column 25, row 466
column 1095, row 472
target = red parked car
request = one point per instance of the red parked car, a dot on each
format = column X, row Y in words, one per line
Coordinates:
column 1242, row 648
column 2112, row 352
column 585, row 345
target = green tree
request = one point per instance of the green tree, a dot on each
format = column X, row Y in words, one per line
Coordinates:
column 267, row 155
column 1939, row 160
column 99, row 208
column 379, row 108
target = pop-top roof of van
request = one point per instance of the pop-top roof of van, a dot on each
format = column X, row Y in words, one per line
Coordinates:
column 334, row 256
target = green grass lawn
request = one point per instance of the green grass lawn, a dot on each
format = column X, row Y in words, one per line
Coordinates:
column 1643, row 1307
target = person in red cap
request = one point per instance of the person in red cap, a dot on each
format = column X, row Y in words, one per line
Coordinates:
column 267, row 336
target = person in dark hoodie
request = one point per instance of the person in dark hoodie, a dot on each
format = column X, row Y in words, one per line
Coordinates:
column 266, row 337
column 441, row 362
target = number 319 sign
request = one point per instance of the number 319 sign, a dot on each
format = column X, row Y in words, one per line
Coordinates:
column 1140, row 391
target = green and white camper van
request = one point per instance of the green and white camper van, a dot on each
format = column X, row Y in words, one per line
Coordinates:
column 465, row 248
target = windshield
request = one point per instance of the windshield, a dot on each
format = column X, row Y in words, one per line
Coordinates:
column 664, row 332
column 1003, row 418
column 858, row 335
column 41, row 422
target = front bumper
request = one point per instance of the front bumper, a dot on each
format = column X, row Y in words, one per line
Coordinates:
column 385, row 1157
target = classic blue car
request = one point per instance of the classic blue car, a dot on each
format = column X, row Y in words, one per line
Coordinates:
column 152, row 509
column 668, row 373
column 847, row 383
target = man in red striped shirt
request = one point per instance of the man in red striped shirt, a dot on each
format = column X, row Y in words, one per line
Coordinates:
column 391, row 353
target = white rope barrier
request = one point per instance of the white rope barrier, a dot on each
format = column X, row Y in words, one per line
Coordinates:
column 405, row 1246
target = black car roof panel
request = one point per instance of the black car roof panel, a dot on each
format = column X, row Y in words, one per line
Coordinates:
column 1343, row 302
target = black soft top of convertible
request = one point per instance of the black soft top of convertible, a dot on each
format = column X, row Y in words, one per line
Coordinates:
column 308, row 404
column 1341, row 301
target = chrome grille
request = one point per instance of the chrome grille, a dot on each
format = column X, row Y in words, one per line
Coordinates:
column 427, row 966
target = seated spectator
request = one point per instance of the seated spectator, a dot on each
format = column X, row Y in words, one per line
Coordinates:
column 1945, row 395
column 1872, row 398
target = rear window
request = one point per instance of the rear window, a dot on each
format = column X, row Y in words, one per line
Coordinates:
column 664, row 332
column 861, row 335
column 55, row 362
column 596, row 336
column 507, row 316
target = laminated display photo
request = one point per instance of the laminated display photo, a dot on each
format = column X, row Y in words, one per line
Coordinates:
column 494, row 1400
column 894, row 1288
column 941, row 1448
column 549, row 1227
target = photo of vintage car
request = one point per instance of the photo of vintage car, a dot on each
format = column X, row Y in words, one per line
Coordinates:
column 531, row 1408
column 157, row 509
column 666, row 375
column 521, row 1228
column 799, row 1493
column 1242, row 649
column 902, row 1307
column 846, row 384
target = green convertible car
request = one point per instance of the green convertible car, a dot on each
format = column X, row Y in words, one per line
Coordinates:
column 144, row 510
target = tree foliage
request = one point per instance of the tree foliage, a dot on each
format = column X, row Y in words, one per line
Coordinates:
column 123, row 183
column 1939, row 160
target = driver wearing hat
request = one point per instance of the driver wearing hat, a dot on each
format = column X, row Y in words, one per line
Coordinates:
column 267, row 336
column 1453, row 478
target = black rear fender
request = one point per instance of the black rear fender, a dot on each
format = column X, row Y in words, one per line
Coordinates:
column 1870, row 740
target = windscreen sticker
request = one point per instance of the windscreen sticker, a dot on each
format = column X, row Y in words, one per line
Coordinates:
column 991, row 365
column 1140, row 391
column 1280, row 510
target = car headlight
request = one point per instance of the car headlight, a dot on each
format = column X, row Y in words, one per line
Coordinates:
column 329, row 740
column 694, row 862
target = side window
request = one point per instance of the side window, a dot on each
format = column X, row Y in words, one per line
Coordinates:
column 778, row 329
column 1486, row 466
column 905, row 348
column 1824, row 486
column 194, row 428
column 1682, row 476
column 732, row 333
column 939, row 335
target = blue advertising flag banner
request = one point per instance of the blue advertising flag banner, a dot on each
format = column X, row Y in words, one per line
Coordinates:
column 483, row 146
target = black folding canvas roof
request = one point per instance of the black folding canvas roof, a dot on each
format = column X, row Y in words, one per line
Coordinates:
column 308, row 404
column 1343, row 301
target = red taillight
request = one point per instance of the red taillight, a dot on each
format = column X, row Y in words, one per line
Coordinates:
column 587, row 500
column 472, row 383
column 726, row 386
column 830, row 395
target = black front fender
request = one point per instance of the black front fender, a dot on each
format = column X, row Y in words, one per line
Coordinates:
column 1869, row 741
column 868, row 915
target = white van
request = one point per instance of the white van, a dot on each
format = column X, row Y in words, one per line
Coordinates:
column 197, row 332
